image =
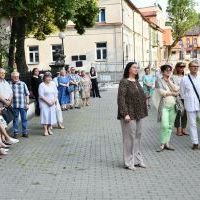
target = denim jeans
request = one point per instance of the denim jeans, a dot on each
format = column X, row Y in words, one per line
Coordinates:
column 24, row 121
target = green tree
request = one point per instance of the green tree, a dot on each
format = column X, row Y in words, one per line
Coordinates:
column 4, row 39
column 182, row 17
column 41, row 18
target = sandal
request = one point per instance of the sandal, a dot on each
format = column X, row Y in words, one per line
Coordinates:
column 162, row 148
column 179, row 132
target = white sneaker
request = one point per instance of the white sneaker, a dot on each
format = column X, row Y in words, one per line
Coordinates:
column 142, row 165
column 6, row 150
column 130, row 167
column 12, row 141
column 3, row 152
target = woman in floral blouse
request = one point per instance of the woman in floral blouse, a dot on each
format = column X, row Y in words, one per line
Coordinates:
column 132, row 109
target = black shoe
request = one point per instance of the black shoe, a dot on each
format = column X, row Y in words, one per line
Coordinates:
column 195, row 147
column 16, row 136
column 78, row 107
column 99, row 96
column 25, row 135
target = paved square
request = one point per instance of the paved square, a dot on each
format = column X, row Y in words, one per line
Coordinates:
column 84, row 161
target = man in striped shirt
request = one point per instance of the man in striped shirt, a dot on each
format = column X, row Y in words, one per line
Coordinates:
column 20, row 104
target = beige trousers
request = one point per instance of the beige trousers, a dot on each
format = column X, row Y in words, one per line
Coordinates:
column 131, row 133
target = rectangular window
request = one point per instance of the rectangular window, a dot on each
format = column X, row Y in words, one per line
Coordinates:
column 82, row 57
column 55, row 48
column 33, row 54
column 79, row 64
column 102, row 15
column 195, row 41
column 188, row 52
column 74, row 58
column 101, row 51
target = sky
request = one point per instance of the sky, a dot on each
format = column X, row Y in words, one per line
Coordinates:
column 163, row 3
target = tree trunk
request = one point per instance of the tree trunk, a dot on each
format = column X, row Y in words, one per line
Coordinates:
column 169, row 49
column 20, row 57
column 1, row 60
column 11, row 56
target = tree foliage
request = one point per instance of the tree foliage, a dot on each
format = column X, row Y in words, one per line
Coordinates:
column 4, row 38
column 182, row 17
column 42, row 17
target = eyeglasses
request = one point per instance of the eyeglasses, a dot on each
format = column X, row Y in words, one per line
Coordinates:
column 194, row 66
column 182, row 66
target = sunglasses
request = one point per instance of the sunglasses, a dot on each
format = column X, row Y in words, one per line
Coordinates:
column 182, row 66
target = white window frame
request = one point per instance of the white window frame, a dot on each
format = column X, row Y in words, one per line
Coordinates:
column 53, row 61
column 34, row 62
column 99, row 19
column 101, row 49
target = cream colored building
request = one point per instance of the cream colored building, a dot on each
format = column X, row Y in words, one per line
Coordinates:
column 121, row 34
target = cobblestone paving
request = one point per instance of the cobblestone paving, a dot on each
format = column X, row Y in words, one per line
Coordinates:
column 84, row 161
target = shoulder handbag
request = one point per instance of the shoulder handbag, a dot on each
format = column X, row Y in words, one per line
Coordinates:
column 8, row 114
column 179, row 107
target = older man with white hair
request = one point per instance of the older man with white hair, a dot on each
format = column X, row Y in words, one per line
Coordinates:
column 20, row 104
column 190, row 91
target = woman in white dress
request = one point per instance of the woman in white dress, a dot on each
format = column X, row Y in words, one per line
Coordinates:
column 48, row 95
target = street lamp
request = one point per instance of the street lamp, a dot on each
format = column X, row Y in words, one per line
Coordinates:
column 62, row 35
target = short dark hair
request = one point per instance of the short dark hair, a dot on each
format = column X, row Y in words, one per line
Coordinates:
column 164, row 67
column 145, row 69
column 127, row 68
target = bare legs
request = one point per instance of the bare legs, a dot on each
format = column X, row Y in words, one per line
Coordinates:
column 85, row 101
column 47, row 129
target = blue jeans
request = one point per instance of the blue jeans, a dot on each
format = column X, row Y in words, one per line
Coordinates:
column 24, row 121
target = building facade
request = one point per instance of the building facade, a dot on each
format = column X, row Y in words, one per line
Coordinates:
column 121, row 34
column 188, row 48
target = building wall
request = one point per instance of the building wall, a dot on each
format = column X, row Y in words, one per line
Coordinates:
column 188, row 49
column 125, row 32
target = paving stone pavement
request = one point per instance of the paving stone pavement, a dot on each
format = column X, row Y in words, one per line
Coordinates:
column 84, row 161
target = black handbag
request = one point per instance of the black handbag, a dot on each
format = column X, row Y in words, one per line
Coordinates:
column 8, row 114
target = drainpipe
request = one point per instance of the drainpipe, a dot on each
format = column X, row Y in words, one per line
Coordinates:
column 134, row 33
column 143, row 42
column 123, row 64
column 150, row 45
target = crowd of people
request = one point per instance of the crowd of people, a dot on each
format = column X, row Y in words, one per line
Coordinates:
column 68, row 90
column 176, row 97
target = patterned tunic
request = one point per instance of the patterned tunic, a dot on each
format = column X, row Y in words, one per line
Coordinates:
column 131, row 100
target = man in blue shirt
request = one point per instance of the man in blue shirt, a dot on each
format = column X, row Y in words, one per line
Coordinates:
column 20, row 104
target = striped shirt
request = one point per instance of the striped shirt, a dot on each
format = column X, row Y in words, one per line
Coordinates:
column 20, row 92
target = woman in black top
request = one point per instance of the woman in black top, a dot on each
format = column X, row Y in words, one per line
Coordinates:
column 35, row 82
column 95, row 88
